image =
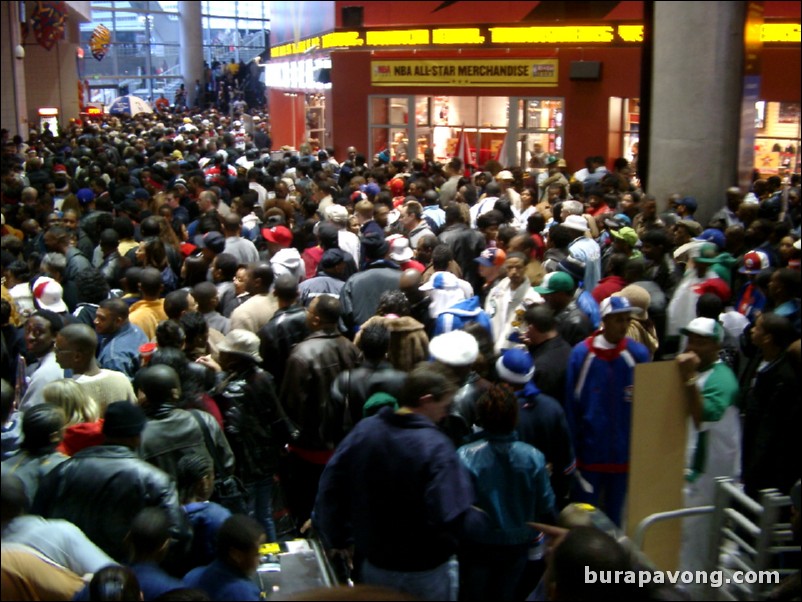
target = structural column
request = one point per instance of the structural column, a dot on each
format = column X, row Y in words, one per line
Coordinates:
column 696, row 101
column 190, row 36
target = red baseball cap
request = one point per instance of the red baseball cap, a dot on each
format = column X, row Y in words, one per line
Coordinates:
column 715, row 286
column 279, row 235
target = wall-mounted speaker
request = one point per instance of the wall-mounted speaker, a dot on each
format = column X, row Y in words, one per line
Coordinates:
column 323, row 76
column 585, row 70
column 353, row 17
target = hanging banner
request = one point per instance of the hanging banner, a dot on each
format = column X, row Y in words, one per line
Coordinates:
column 99, row 42
column 471, row 72
column 48, row 23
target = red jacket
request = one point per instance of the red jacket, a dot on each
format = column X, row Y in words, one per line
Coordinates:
column 607, row 286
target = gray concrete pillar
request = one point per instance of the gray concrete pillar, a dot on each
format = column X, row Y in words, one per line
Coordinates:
column 696, row 101
column 190, row 36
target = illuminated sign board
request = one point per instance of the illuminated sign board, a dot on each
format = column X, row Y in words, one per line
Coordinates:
column 402, row 37
column 552, row 35
column 780, row 32
column 94, row 111
column 458, row 37
column 490, row 37
column 475, row 72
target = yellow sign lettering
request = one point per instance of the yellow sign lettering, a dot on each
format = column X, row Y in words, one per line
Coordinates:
column 780, row 32
column 403, row 37
column 551, row 35
column 457, row 36
column 476, row 72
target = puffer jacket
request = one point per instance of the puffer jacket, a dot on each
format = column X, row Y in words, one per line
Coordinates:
column 101, row 489
column 313, row 366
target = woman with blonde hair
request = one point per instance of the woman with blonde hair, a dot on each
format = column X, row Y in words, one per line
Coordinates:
column 84, row 426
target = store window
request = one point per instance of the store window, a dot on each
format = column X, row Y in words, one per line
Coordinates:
column 487, row 121
column 541, row 132
column 624, row 132
column 389, row 126
column 777, row 138
column 144, row 55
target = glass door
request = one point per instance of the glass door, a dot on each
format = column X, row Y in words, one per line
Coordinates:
column 537, row 130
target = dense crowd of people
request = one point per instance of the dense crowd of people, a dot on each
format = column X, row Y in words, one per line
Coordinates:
column 207, row 345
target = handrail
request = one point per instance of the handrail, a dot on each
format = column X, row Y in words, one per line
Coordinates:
column 643, row 525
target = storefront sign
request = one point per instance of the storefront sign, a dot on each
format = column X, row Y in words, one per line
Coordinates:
column 498, row 37
column 476, row 72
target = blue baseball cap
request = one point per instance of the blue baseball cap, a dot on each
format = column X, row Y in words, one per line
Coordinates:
column 617, row 305
column 714, row 236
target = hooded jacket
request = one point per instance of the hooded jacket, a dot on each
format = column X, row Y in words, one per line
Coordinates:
column 458, row 316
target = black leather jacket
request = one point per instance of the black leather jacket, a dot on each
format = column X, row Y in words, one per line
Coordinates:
column 248, row 402
column 172, row 433
column 466, row 244
column 572, row 324
column 101, row 489
column 278, row 337
column 353, row 388
column 313, row 366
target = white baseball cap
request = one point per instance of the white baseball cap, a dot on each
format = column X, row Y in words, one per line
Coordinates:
column 704, row 327
column 49, row 294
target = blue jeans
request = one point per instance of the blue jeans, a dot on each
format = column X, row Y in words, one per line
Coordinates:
column 260, row 505
column 439, row 583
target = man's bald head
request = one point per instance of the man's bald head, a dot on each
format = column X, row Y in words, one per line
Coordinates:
column 232, row 223
column 80, row 337
column 158, row 384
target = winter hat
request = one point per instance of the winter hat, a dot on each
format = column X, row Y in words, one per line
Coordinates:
column 455, row 348
column 515, row 366
column 123, row 419
column 573, row 266
column 376, row 402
